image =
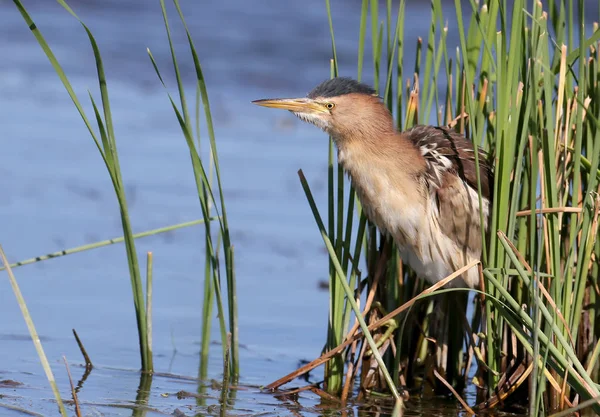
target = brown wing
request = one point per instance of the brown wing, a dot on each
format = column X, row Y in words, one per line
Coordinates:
column 459, row 216
column 446, row 150
column 451, row 176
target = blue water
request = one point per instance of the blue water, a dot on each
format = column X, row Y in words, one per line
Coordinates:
column 56, row 193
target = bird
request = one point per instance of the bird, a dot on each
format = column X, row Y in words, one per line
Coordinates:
column 418, row 186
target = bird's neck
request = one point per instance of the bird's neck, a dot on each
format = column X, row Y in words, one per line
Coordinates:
column 369, row 144
column 386, row 172
column 384, row 150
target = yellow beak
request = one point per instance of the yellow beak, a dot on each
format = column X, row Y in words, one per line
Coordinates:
column 300, row 105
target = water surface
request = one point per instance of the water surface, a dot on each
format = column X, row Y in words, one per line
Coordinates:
column 56, row 194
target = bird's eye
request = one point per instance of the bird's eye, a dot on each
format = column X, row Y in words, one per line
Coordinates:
column 330, row 106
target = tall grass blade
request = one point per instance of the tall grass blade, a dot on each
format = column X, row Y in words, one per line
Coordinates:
column 349, row 293
column 33, row 333
column 227, row 245
column 103, row 243
column 149, row 287
column 108, row 152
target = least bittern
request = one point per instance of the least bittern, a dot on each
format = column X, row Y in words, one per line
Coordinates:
column 419, row 186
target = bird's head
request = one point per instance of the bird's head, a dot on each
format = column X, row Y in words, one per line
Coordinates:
column 340, row 106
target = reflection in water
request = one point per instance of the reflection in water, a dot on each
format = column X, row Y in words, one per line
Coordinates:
column 202, row 393
column 87, row 371
column 231, row 398
column 174, row 399
column 143, row 394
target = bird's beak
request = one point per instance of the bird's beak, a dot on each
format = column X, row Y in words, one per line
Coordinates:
column 298, row 105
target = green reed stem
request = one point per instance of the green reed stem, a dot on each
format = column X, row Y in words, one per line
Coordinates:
column 343, row 281
column 108, row 151
column 33, row 333
column 205, row 192
column 149, row 287
column 103, row 243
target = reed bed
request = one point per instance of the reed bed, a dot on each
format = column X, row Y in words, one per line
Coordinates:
column 523, row 85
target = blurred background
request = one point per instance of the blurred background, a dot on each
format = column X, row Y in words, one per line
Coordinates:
column 56, row 194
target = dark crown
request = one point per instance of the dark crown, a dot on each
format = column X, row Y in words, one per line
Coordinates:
column 340, row 86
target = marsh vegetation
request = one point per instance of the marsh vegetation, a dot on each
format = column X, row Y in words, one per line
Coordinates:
column 522, row 83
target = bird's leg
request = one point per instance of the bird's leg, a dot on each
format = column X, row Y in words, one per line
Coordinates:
column 391, row 325
column 380, row 271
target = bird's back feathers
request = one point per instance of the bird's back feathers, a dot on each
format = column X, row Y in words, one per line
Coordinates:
column 446, row 150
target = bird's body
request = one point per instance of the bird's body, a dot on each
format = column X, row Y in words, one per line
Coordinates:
column 418, row 186
column 432, row 214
